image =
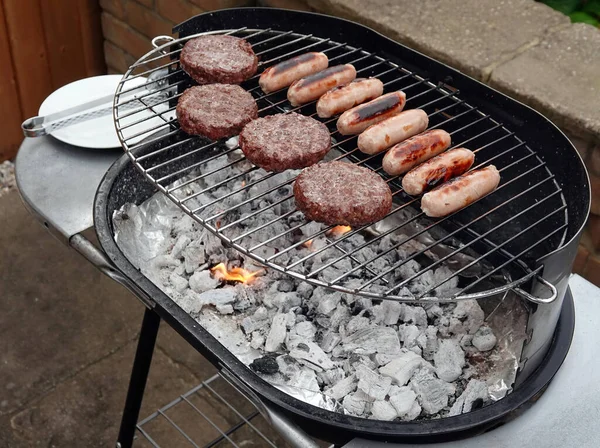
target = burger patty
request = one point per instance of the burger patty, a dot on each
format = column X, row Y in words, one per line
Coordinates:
column 215, row 111
column 339, row 193
column 285, row 141
column 218, row 59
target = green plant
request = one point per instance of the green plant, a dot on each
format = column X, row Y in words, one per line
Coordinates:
column 579, row 11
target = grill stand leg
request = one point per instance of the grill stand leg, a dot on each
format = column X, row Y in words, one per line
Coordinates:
column 139, row 375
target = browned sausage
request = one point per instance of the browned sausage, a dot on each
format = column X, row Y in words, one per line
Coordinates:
column 438, row 170
column 312, row 87
column 285, row 73
column 343, row 98
column 460, row 192
column 359, row 118
column 407, row 154
column 381, row 136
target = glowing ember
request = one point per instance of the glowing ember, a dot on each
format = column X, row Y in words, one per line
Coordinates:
column 338, row 231
column 233, row 275
column 243, row 183
column 307, row 244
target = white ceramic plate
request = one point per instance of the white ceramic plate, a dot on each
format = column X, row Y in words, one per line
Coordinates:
column 98, row 133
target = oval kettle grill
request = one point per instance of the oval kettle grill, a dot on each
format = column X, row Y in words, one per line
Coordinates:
column 523, row 236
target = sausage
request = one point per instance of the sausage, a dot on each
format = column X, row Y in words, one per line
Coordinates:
column 312, row 87
column 381, row 136
column 341, row 99
column 285, row 73
column 460, row 192
column 407, row 154
column 359, row 118
column 438, row 170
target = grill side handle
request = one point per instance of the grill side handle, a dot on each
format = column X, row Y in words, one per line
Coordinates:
column 539, row 300
column 99, row 259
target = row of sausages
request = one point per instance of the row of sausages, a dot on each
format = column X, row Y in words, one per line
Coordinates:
column 383, row 125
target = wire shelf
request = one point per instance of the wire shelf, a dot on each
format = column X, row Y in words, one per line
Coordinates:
column 211, row 414
column 508, row 231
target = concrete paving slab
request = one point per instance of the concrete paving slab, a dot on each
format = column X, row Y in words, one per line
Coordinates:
column 86, row 410
column 471, row 36
column 181, row 352
column 59, row 313
column 560, row 77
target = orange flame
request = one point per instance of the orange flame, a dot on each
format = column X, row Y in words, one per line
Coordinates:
column 307, row 244
column 338, row 231
column 235, row 274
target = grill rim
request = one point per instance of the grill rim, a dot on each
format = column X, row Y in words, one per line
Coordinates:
column 528, row 274
column 191, row 331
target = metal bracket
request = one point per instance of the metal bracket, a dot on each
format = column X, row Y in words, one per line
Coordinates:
column 104, row 265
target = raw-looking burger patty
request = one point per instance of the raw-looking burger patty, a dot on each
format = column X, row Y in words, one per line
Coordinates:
column 339, row 193
column 285, row 141
column 215, row 111
column 218, row 59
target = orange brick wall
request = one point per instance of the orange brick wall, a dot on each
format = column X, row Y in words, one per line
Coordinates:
column 129, row 26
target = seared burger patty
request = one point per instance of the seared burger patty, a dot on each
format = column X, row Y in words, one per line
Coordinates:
column 218, row 59
column 285, row 141
column 339, row 193
column 215, row 111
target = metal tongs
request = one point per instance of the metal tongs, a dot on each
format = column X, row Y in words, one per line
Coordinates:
column 41, row 126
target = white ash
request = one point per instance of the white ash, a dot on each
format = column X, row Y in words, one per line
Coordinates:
column 354, row 405
column 380, row 359
column 371, row 340
column 475, row 391
column 484, row 339
column 403, row 367
column 202, row 281
column 374, row 385
column 449, row 360
column 433, row 393
column 304, row 379
column 330, row 340
column 470, row 313
column 342, row 388
column 403, row 399
column 383, row 410
column 312, row 356
column 277, row 333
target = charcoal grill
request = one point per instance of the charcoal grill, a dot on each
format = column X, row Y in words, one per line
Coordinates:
column 548, row 173
column 527, row 230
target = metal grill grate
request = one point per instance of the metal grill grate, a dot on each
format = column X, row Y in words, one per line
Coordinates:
column 494, row 244
column 186, row 421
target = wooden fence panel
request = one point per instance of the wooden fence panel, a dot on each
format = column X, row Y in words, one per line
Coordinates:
column 45, row 45
column 10, row 110
column 28, row 48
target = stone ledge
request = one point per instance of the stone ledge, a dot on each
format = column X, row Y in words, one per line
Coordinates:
column 501, row 41
column 472, row 36
column 560, row 77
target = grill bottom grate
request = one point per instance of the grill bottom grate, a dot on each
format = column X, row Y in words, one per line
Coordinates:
column 211, row 414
